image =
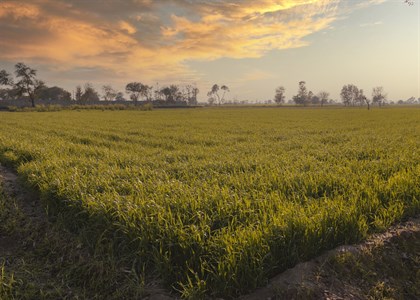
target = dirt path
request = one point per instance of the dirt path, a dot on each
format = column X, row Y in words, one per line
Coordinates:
column 47, row 261
column 357, row 271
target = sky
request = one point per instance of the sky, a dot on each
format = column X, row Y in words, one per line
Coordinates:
column 250, row 46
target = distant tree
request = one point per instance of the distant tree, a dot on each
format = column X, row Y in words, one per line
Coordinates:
column 78, row 94
column 349, row 94
column 9, row 94
column 323, row 97
column 315, row 100
column 378, row 96
column 109, row 92
column 194, row 96
column 119, row 97
column 362, row 99
column 166, row 92
column 409, row 2
column 191, row 94
column 27, row 84
column 302, row 95
column 411, row 100
column 214, row 93
column 5, row 78
column 89, row 94
column 310, row 98
column 225, row 90
column 279, row 96
column 134, row 89
column 147, row 93
column 54, row 93
column 158, row 94
column 211, row 100
column 172, row 94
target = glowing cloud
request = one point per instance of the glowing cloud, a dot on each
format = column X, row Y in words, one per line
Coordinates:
column 154, row 38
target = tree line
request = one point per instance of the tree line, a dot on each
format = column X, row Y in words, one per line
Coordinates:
column 350, row 95
column 26, row 85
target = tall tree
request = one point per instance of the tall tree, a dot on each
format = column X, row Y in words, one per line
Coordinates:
column 134, row 89
column 5, row 78
column 109, row 92
column 349, row 94
column 89, row 94
column 78, row 94
column 147, row 93
column 225, row 90
column 362, row 99
column 27, row 84
column 378, row 96
column 302, row 95
column 323, row 97
column 191, row 94
column 310, row 98
column 194, row 96
column 119, row 97
column 214, row 93
column 279, row 96
column 54, row 93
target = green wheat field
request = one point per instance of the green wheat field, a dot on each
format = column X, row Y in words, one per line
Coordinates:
column 218, row 200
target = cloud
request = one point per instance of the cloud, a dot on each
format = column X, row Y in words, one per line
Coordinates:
column 154, row 39
column 371, row 24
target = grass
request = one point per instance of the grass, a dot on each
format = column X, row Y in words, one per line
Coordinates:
column 40, row 260
column 219, row 200
column 387, row 270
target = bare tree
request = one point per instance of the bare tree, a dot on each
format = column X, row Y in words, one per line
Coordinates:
column 279, row 97
column 194, row 95
column 147, row 93
column 109, row 92
column 378, row 96
column 191, row 92
column 323, row 97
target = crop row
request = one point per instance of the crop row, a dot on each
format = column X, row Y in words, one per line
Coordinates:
column 219, row 200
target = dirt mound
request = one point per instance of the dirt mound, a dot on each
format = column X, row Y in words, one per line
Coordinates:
column 384, row 266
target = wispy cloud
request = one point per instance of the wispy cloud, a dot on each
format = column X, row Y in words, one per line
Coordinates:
column 371, row 24
column 154, row 39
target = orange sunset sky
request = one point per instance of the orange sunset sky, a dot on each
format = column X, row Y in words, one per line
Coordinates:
column 251, row 46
